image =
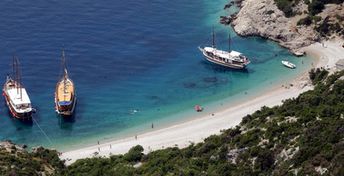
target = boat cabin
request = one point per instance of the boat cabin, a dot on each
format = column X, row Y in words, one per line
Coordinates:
column 19, row 99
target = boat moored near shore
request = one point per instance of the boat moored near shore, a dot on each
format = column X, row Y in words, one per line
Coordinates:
column 65, row 96
column 288, row 64
column 15, row 94
column 231, row 59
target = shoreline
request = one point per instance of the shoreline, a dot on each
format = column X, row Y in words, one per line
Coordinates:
column 180, row 117
column 193, row 130
column 196, row 130
column 185, row 133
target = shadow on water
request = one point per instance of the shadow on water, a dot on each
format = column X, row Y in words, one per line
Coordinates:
column 20, row 124
column 17, row 123
column 66, row 122
column 221, row 69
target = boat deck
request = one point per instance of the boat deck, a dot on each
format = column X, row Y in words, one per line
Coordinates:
column 65, row 90
column 18, row 96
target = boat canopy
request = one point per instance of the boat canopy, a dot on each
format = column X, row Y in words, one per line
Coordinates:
column 223, row 54
column 19, row 97
column 64, row 103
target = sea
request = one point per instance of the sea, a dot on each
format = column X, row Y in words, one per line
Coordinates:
column 135, row 64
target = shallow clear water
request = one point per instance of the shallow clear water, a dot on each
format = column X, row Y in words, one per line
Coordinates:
column 125, row 56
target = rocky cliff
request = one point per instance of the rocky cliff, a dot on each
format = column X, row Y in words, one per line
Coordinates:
column 263, row 18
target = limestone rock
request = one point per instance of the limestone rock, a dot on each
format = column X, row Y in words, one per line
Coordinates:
column 263, row 18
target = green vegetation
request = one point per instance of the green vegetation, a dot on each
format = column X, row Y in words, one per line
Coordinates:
column 327, row 27
column 331, row 24
column 286, row 6
column 305, row 21
column 305, row 135
column 314, row 6
column 17, row 161
column 317, row 75
column 308, row 20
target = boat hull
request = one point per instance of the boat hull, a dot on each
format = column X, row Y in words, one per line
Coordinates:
column 228, row 65
column 65, row 110
column 288, row 65
column 27, row 116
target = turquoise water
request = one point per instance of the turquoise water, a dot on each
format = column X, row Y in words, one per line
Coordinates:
column 125, row 56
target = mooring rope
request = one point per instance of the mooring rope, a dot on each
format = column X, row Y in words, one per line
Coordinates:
column 45, row 134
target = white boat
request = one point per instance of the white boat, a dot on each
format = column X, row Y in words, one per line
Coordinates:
column 289, row 64
column 230, row 59
column 16, row 97
column 299, row 53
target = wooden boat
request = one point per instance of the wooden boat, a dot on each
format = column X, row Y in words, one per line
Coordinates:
column 230, row 58
column 15, row 94
column 65, row 95
column 289, row 64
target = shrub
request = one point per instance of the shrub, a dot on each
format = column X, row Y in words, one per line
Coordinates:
column 135, row 154
column 316, row 18
column 286, row 7
column 305, row 21
column 316, row 6
column 317, row 75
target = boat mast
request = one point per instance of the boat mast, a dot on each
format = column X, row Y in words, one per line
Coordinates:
column 229, row 46
column 213, row 34
column 65, row 74
column 229, row 42
column 19, row 81
column 17, row 76
column 13, row 68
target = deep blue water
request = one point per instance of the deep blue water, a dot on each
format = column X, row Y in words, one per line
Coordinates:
column 124, row 55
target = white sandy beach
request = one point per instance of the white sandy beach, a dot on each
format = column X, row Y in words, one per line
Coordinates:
column 197, row 130
column 328, row 53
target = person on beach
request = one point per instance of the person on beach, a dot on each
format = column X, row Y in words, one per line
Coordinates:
column 135, row 137
column 152, row 125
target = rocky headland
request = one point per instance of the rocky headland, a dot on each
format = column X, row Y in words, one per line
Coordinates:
column 263, row 18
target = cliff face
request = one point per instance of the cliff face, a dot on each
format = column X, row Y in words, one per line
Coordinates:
column 263, row 18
